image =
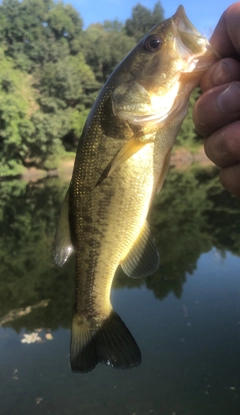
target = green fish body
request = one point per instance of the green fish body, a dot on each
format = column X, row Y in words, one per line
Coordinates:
column 122, row 160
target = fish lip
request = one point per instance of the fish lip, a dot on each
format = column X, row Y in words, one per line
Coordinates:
column 199, row 54
column 182, row 22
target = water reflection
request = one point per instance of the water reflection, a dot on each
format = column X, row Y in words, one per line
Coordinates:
column 189, row 342
column 191, row 215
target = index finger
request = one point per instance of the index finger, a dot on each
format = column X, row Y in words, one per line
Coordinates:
column 226, row 36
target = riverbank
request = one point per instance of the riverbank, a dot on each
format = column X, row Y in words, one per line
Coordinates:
column 181, row 159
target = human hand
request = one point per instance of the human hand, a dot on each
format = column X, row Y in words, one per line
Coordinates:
column 217, row 112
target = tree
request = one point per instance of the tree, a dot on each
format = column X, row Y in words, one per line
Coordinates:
column 44, row 40
column 64, row 98
column 17, row 104
column 105, row 47
column 143, row 20
column 51, row 73
column 38, row 32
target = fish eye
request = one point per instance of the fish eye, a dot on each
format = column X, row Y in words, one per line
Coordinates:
column 152, row 43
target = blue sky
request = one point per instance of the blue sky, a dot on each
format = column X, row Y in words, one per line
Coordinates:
column 204, row 14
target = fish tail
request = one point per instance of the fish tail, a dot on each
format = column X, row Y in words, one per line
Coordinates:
column 110, row 343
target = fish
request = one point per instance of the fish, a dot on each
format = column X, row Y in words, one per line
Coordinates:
column 121, row 162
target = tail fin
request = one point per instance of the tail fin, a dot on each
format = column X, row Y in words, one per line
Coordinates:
column 111, row 343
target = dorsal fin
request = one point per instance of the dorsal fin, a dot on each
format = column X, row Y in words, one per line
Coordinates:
column 143, row 259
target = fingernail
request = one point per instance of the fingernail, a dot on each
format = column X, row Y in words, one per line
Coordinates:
column 222, row 74
column 229, row 100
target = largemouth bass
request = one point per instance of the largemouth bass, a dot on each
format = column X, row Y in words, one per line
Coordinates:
column 122, row 160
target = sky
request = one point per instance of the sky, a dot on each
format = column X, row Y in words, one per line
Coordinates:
column 204, row 14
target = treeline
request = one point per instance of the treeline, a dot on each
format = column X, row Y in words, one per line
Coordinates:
column 50, row 73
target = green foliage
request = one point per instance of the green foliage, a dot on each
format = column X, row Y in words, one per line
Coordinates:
column 78, row 119
column 143, row 20
column 51, row 72
column 104, row 48
column 45, row 82
column 39, row 32
column 188, row 135
column 63, row 82
column 16, row 107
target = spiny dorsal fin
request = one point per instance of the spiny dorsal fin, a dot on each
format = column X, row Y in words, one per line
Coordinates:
column 62, row 244
column 143, row 258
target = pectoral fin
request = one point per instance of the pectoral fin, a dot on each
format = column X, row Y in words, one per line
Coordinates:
column 62, row 244
column 132, row 146
column 143, row 259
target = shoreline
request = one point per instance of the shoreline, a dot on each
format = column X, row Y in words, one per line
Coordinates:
column 181, row 159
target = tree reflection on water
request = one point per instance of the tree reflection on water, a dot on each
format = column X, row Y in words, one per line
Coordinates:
column 191, row 215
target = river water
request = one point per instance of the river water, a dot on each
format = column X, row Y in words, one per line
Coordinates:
column 185, row 318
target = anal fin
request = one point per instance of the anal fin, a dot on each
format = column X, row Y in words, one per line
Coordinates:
column 143, row 258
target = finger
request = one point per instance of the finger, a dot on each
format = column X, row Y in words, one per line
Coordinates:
column 226, row 36
column 223, row 147
column 223, row 72
column 230, row 179
column 216, row 108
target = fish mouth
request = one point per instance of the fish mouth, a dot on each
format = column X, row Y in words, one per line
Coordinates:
column 183, row 23
column 191, row 46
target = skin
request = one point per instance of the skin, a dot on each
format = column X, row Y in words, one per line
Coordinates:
column 217, row 112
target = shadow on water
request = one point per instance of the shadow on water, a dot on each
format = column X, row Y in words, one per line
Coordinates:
column 191, row 215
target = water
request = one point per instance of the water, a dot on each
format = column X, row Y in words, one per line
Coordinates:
column 185, row 319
